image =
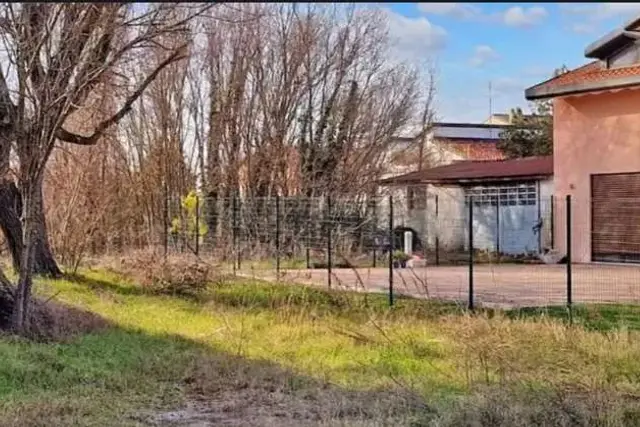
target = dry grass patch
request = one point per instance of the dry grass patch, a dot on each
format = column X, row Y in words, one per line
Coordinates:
column 248, row 352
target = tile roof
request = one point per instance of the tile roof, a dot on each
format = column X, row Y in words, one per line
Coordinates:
column 475, row 149
column 458, row 172
column 596, row 75
column 591, row 72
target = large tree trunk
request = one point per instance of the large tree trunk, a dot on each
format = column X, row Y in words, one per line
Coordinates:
column 10, row 211
column 6, row 301
column 43, row 261
column 30, row 218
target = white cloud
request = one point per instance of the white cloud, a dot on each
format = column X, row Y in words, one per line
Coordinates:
column 469, row 101
column 601, row 11
column 620, row 9
column 415, row 37
column 537, row 71
column 582, row 28
column 591, row 18
column 482, row 55
column 507, row 85
column 454, row 10
column 516, row 16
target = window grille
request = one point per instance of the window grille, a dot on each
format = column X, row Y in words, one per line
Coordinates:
column 506, row 195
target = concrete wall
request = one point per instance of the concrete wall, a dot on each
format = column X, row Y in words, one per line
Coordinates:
column 450, row 224
column 595, row 133
column 547, row 204
column 513, row 233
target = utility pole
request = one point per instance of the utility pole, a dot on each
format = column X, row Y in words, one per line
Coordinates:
column 490, row 101
column 491, row 108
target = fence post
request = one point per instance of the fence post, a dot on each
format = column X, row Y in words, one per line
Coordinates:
column 470, row 201
column 277, row 237
column 238, row 211
column 437, row 233
column 234, row 230
column 391, row 248
column 539, row 218
column 569, row 278
column 553, row 223
column 165, row 219
column 308, row 234
column 197, row 224
column 498, row 226
column 328, row 222
column 374, row 210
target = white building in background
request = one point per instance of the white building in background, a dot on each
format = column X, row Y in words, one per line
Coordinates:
column 512, row 197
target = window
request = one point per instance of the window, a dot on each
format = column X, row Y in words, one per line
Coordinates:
column 505, row 195
column 416, row 198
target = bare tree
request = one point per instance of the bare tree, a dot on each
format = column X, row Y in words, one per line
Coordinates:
column 296, row 100
column 428, row 116
column 61, row 55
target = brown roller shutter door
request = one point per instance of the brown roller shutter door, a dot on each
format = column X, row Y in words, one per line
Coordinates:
column 615, row 217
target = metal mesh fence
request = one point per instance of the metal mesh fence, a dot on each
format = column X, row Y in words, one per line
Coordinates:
column 484, row 247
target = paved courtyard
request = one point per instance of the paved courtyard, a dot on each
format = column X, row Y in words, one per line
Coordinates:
column 504, row 285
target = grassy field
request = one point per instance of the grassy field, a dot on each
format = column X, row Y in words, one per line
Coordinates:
column 248, row 353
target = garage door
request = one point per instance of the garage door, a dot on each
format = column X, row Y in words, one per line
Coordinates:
column 505, row 218
column 615, row 217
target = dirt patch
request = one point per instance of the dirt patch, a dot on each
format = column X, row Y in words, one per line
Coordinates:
column 246, row 408
column 234, row 392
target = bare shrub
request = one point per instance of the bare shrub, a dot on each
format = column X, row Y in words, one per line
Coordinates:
column 174, row 275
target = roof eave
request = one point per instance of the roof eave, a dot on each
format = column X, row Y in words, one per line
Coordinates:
column 606, row 45
column 612, row 41
column 487, row 179
column 470, row 125
column 458, row 181
column 632, row 24
column 541, row 92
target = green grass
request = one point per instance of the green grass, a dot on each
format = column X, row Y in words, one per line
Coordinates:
column 602, row 317
column 286, row 263
column 242, row 335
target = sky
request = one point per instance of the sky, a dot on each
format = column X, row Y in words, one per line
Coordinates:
column 511, row 45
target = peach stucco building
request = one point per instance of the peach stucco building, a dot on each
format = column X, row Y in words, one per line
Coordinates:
column 596, row 112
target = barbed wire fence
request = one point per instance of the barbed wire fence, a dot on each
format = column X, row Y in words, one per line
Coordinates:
column 488, row 249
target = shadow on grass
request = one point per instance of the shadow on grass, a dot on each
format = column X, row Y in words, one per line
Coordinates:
column 105, row 285
column 126, row 377
column 121, row 376
column 106, row 377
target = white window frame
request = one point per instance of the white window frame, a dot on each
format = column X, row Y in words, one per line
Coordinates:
column 524, row 194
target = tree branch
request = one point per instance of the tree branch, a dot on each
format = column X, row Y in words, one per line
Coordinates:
column 66, row 136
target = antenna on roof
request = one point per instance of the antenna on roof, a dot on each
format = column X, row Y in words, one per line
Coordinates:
column 490, row 107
